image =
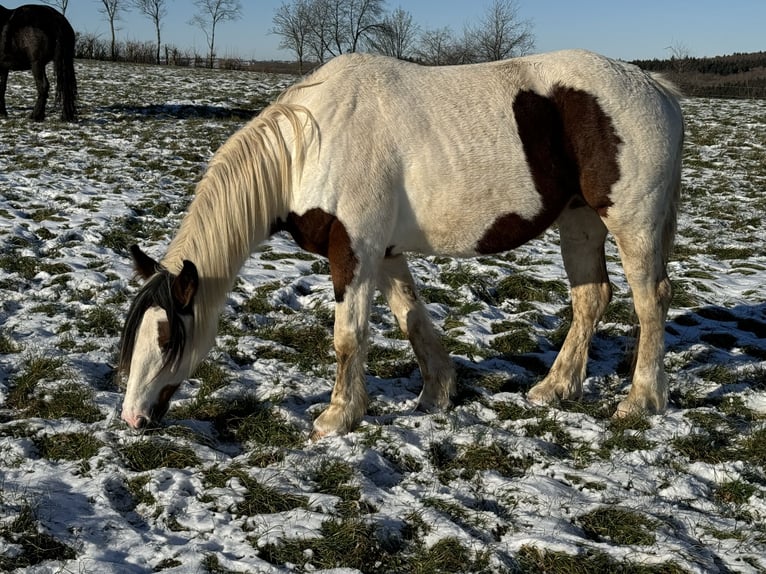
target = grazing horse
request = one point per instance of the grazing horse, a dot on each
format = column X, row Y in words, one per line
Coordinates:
column 370, row 158
column 31, row 36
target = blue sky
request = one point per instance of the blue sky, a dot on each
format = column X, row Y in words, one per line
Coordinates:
column 620, row 29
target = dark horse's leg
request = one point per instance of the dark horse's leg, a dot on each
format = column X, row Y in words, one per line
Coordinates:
column 3, row 84
column 43, row 87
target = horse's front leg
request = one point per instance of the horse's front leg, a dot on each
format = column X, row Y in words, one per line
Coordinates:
column 3, row 86
column 43, row 88
column 348, row 402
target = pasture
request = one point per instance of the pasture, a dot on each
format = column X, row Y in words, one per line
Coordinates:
column 230, row 482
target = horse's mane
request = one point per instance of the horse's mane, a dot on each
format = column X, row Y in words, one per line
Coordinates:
column 245, row 189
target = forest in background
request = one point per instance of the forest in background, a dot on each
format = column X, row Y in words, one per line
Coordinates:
column 732, row 76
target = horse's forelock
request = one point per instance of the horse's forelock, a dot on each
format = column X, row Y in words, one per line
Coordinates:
column 156, row 292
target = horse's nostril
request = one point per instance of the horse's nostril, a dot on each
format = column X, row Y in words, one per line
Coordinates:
column 141, row 422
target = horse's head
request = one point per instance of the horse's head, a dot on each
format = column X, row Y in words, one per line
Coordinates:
column 156, row 340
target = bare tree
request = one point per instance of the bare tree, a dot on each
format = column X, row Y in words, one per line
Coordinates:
column 679, row 60
column 112, row 9
column 363, row 18
column 60, row 4
column 320, row 28
column 155, row 11
column 292, row 23
column 211, row 13
column 501, row 33
column 395, row 36
column 437, row 47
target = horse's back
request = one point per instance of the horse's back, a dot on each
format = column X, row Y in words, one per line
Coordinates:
column 457, row 148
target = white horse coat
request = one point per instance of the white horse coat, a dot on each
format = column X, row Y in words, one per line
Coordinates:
column 370, row 158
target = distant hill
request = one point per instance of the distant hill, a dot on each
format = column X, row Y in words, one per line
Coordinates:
column 733, row 76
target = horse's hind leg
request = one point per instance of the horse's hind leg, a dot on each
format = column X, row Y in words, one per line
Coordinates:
column 3, row 86
column 582, row 247
column 643, row 258
column 396, row 284
column 43, row 88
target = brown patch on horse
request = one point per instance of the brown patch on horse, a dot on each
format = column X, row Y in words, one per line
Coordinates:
column 554, row 173
column 593, row 144
column 571, row 149
column 322, row 233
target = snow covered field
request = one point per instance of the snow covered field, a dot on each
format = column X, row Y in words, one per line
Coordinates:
column 230, row 482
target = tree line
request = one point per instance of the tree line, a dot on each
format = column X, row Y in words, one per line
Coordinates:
column 317, row 30
column 741, row 75
column 209, row 14
column 314, row 31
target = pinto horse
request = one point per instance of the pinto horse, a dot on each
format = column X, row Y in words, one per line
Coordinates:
column 370, row 158
column 31, row 36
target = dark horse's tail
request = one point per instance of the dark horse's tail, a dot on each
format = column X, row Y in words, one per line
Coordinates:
column 63, row 62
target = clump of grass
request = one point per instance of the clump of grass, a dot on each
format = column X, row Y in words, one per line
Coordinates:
column 36, row 545
column 440, row 296
column 712, row 447
column 212, row 377
column 532, row 560
column 525, row 288
column 518, row 342
column 735, row 492
column 627, row 434
column 70, row 400
column 508, row 411
column 334, row 477
column 244, row 420
column 68, row 446
column 307, row 346
column 27, row 267
column 753, row 448
column 66, row 400
column 136, row 486
column 471, row 459
column 258, row 498
column 449, row 555
column 548, row 428
column 34, row 370
column 151, row 453
column 619, row 525
column 389, row 362
column 7, row 345
column 258, row 303
column 100, row 321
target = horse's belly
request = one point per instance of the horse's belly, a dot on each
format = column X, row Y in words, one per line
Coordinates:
column 453, row 212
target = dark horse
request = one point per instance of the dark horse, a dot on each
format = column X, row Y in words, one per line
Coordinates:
column 31, row 36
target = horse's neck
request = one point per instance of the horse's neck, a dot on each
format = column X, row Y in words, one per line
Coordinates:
column 244, row 191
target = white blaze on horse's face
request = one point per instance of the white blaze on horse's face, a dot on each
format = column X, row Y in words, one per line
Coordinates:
column 152, row 380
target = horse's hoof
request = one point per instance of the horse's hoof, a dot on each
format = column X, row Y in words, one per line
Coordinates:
column 541, row 396
column 333, row 421
column 431, row 405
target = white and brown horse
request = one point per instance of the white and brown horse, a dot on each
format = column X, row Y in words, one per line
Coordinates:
column 370, row 158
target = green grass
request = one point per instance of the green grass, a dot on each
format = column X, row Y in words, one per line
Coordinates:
column 35, row 546
column 68, row 446
column 533, row 560
column 619, row 526
column 153, row 453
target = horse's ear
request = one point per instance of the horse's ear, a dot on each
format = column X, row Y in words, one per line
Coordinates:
column 145, row 265
column 185, row 285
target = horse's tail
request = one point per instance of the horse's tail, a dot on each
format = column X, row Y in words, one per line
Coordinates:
column 63, row 62
column 673, row 93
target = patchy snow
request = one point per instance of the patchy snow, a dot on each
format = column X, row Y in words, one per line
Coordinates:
column 72, row 196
